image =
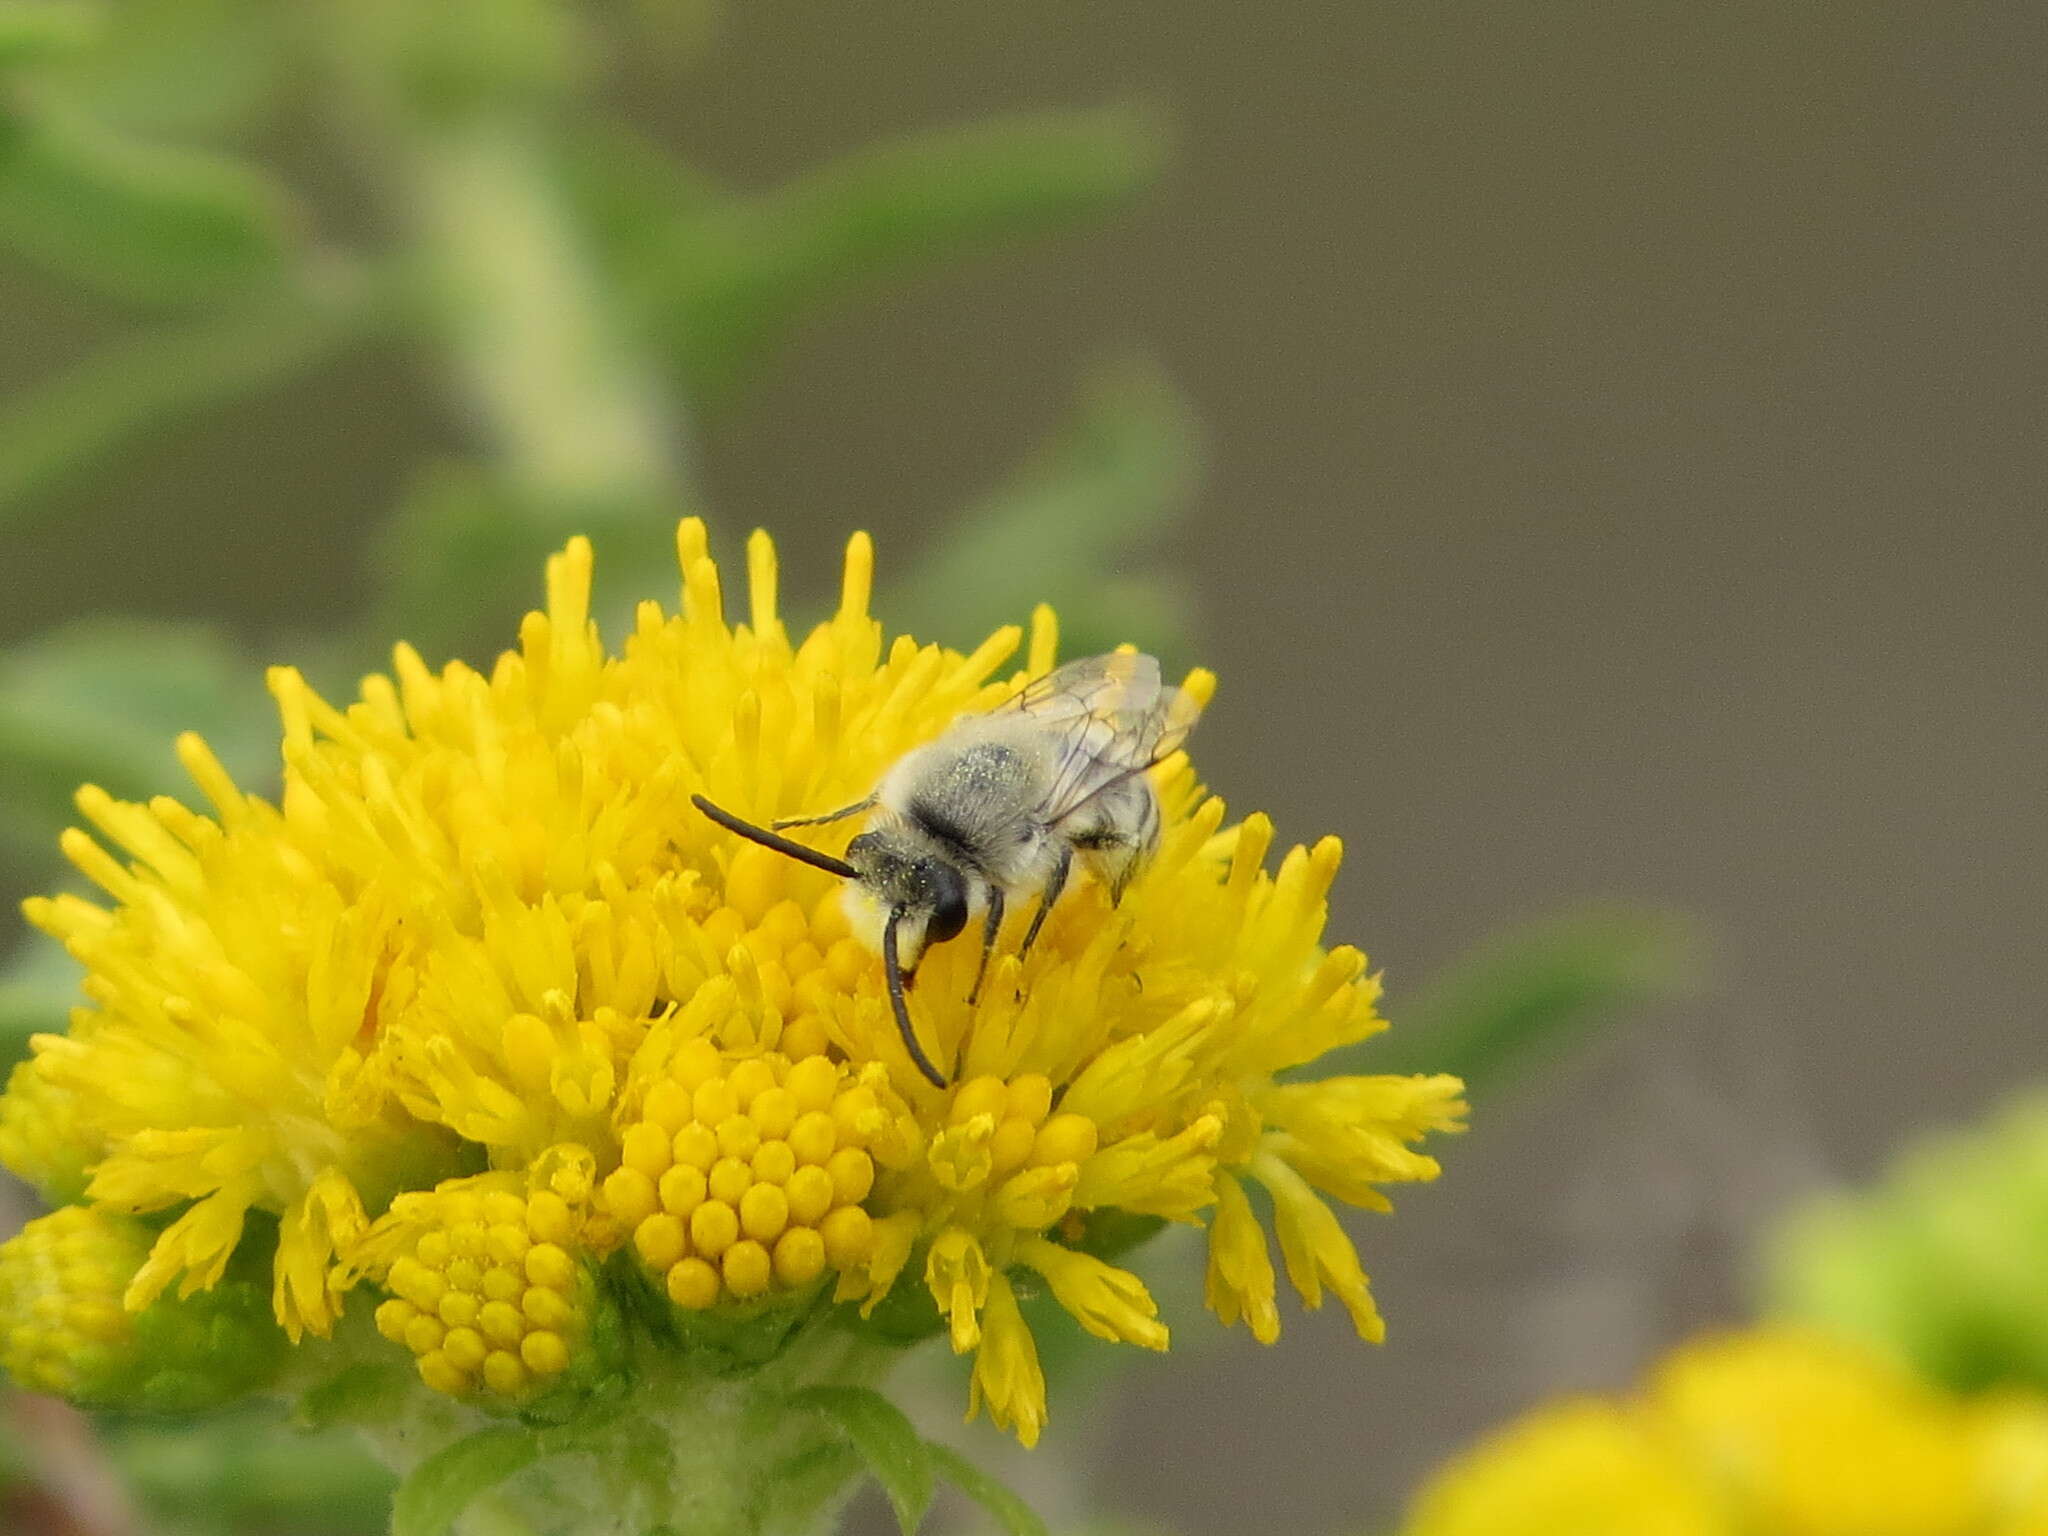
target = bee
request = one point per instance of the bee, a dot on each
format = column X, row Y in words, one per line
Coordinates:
column 999, row 808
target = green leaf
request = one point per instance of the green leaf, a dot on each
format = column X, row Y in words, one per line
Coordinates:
column 1115, row 476
column 462, row 59
column 1010, row 1512
column 730, row 281
column 34, row 30
column 898, row 1457
column 103, row 702
column 180, row 69
column 87, row 415
column 1532, row 992
column 628, row 191
column 444, row 1485
column 139, row 220
column 815, row 1479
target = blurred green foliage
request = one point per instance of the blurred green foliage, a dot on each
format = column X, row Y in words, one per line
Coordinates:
column 737, row 273
column 150, row 382
column 1944, row 1263
column 1530, row 993
column 152, row 223
column 247, row 1472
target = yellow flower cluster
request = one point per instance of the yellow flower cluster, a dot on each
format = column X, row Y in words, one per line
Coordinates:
column 488, row 1287
column 1773, row 1433
column 61, row 1279
column 742, row 1180
column 485, row 926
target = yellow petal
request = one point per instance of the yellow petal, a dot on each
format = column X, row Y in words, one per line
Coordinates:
column 1007, row 1376
column 1110, row 1303
column 1240, row 1281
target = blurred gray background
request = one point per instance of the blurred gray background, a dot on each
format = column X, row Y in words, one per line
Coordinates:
column 1627, row 479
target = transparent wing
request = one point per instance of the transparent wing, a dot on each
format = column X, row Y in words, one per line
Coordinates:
column 1110, row 717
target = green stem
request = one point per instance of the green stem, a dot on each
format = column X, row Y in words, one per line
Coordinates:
column 701, row 1443
column 575, row 418
column 573, row 414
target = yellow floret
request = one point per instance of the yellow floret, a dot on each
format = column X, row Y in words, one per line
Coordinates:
column 713, row 1226
column 693, row 1283
column 504, row 1375
column 848, row 1232
column 775, row 1163
column 730, row 1179
column 645, row 1149
column 852, row 1173
column 629, row 1194
column 545, row 1354
column 745, row 1267
column 811, row 1193
column 424, row 1334
column 683, row 1189
column 813, row 1137
column 764, row 1212
column 660, row 1240
column 799, row 1256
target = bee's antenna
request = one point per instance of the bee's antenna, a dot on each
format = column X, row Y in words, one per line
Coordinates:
column 893, row 969
column 782, row 845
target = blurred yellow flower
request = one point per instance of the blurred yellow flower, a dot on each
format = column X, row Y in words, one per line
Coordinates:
column 1769, row 1433
column 1580, row 1467
column 485, row 1003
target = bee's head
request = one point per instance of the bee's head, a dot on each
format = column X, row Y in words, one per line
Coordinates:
column 897, row 874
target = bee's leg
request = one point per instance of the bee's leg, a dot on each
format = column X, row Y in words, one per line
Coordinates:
column 818, row 821
column 991, row 926
column 1055, row 883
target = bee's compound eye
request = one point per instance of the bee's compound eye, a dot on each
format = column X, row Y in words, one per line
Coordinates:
column 949, row 903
